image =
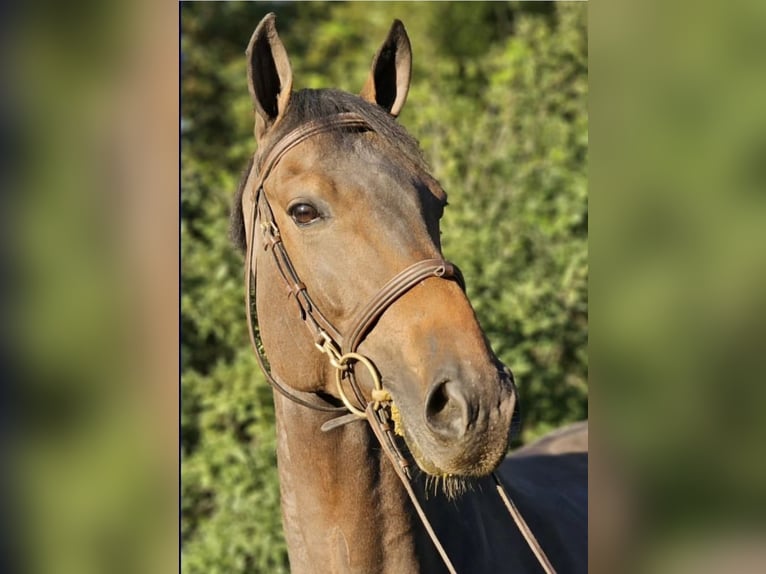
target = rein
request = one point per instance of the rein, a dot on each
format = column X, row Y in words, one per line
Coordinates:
column 341, row 350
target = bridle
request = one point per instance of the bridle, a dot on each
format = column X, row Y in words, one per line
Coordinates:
column 342, row 349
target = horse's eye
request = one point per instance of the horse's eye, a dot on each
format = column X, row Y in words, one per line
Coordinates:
column 303, row 213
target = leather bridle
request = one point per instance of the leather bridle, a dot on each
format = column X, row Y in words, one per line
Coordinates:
column 342, row 350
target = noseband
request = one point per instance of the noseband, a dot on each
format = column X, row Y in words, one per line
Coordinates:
column 342, row 351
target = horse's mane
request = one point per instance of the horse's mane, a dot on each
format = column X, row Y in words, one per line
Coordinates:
column 307, row 105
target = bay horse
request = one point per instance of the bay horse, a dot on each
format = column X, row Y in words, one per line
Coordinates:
column 392, row 411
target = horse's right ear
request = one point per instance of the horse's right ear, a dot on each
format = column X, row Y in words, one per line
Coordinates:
column 389, row 79
column 269, row 76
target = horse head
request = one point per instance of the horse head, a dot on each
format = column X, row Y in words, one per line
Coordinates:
column 343, row 191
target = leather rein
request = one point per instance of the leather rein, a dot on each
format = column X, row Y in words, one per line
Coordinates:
column 341, row 350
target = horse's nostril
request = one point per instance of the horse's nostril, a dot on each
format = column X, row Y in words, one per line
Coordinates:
column 447, row 410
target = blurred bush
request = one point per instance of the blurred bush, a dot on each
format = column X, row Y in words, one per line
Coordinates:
column 498, row 102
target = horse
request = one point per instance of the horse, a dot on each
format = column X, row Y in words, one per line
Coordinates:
column 393, row 414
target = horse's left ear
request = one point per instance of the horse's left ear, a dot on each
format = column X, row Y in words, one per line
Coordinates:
column 389, row 79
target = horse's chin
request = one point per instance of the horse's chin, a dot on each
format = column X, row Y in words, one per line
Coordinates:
column 456, row 467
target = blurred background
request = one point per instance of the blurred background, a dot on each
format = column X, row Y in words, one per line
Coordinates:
column 678, row 326
column 89, row 223
column 92, row 187
column 499, row 104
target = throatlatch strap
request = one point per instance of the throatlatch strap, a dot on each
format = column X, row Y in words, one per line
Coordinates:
column 309, row 400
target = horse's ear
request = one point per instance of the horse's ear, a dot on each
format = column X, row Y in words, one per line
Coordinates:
column 269, row 76
column 389, row 79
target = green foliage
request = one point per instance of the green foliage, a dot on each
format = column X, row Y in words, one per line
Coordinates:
column 230, row 494
column 516, row 173
column 499, row 104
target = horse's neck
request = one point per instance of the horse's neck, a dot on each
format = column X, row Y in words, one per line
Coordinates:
column 345, row 511
column 343, row 507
